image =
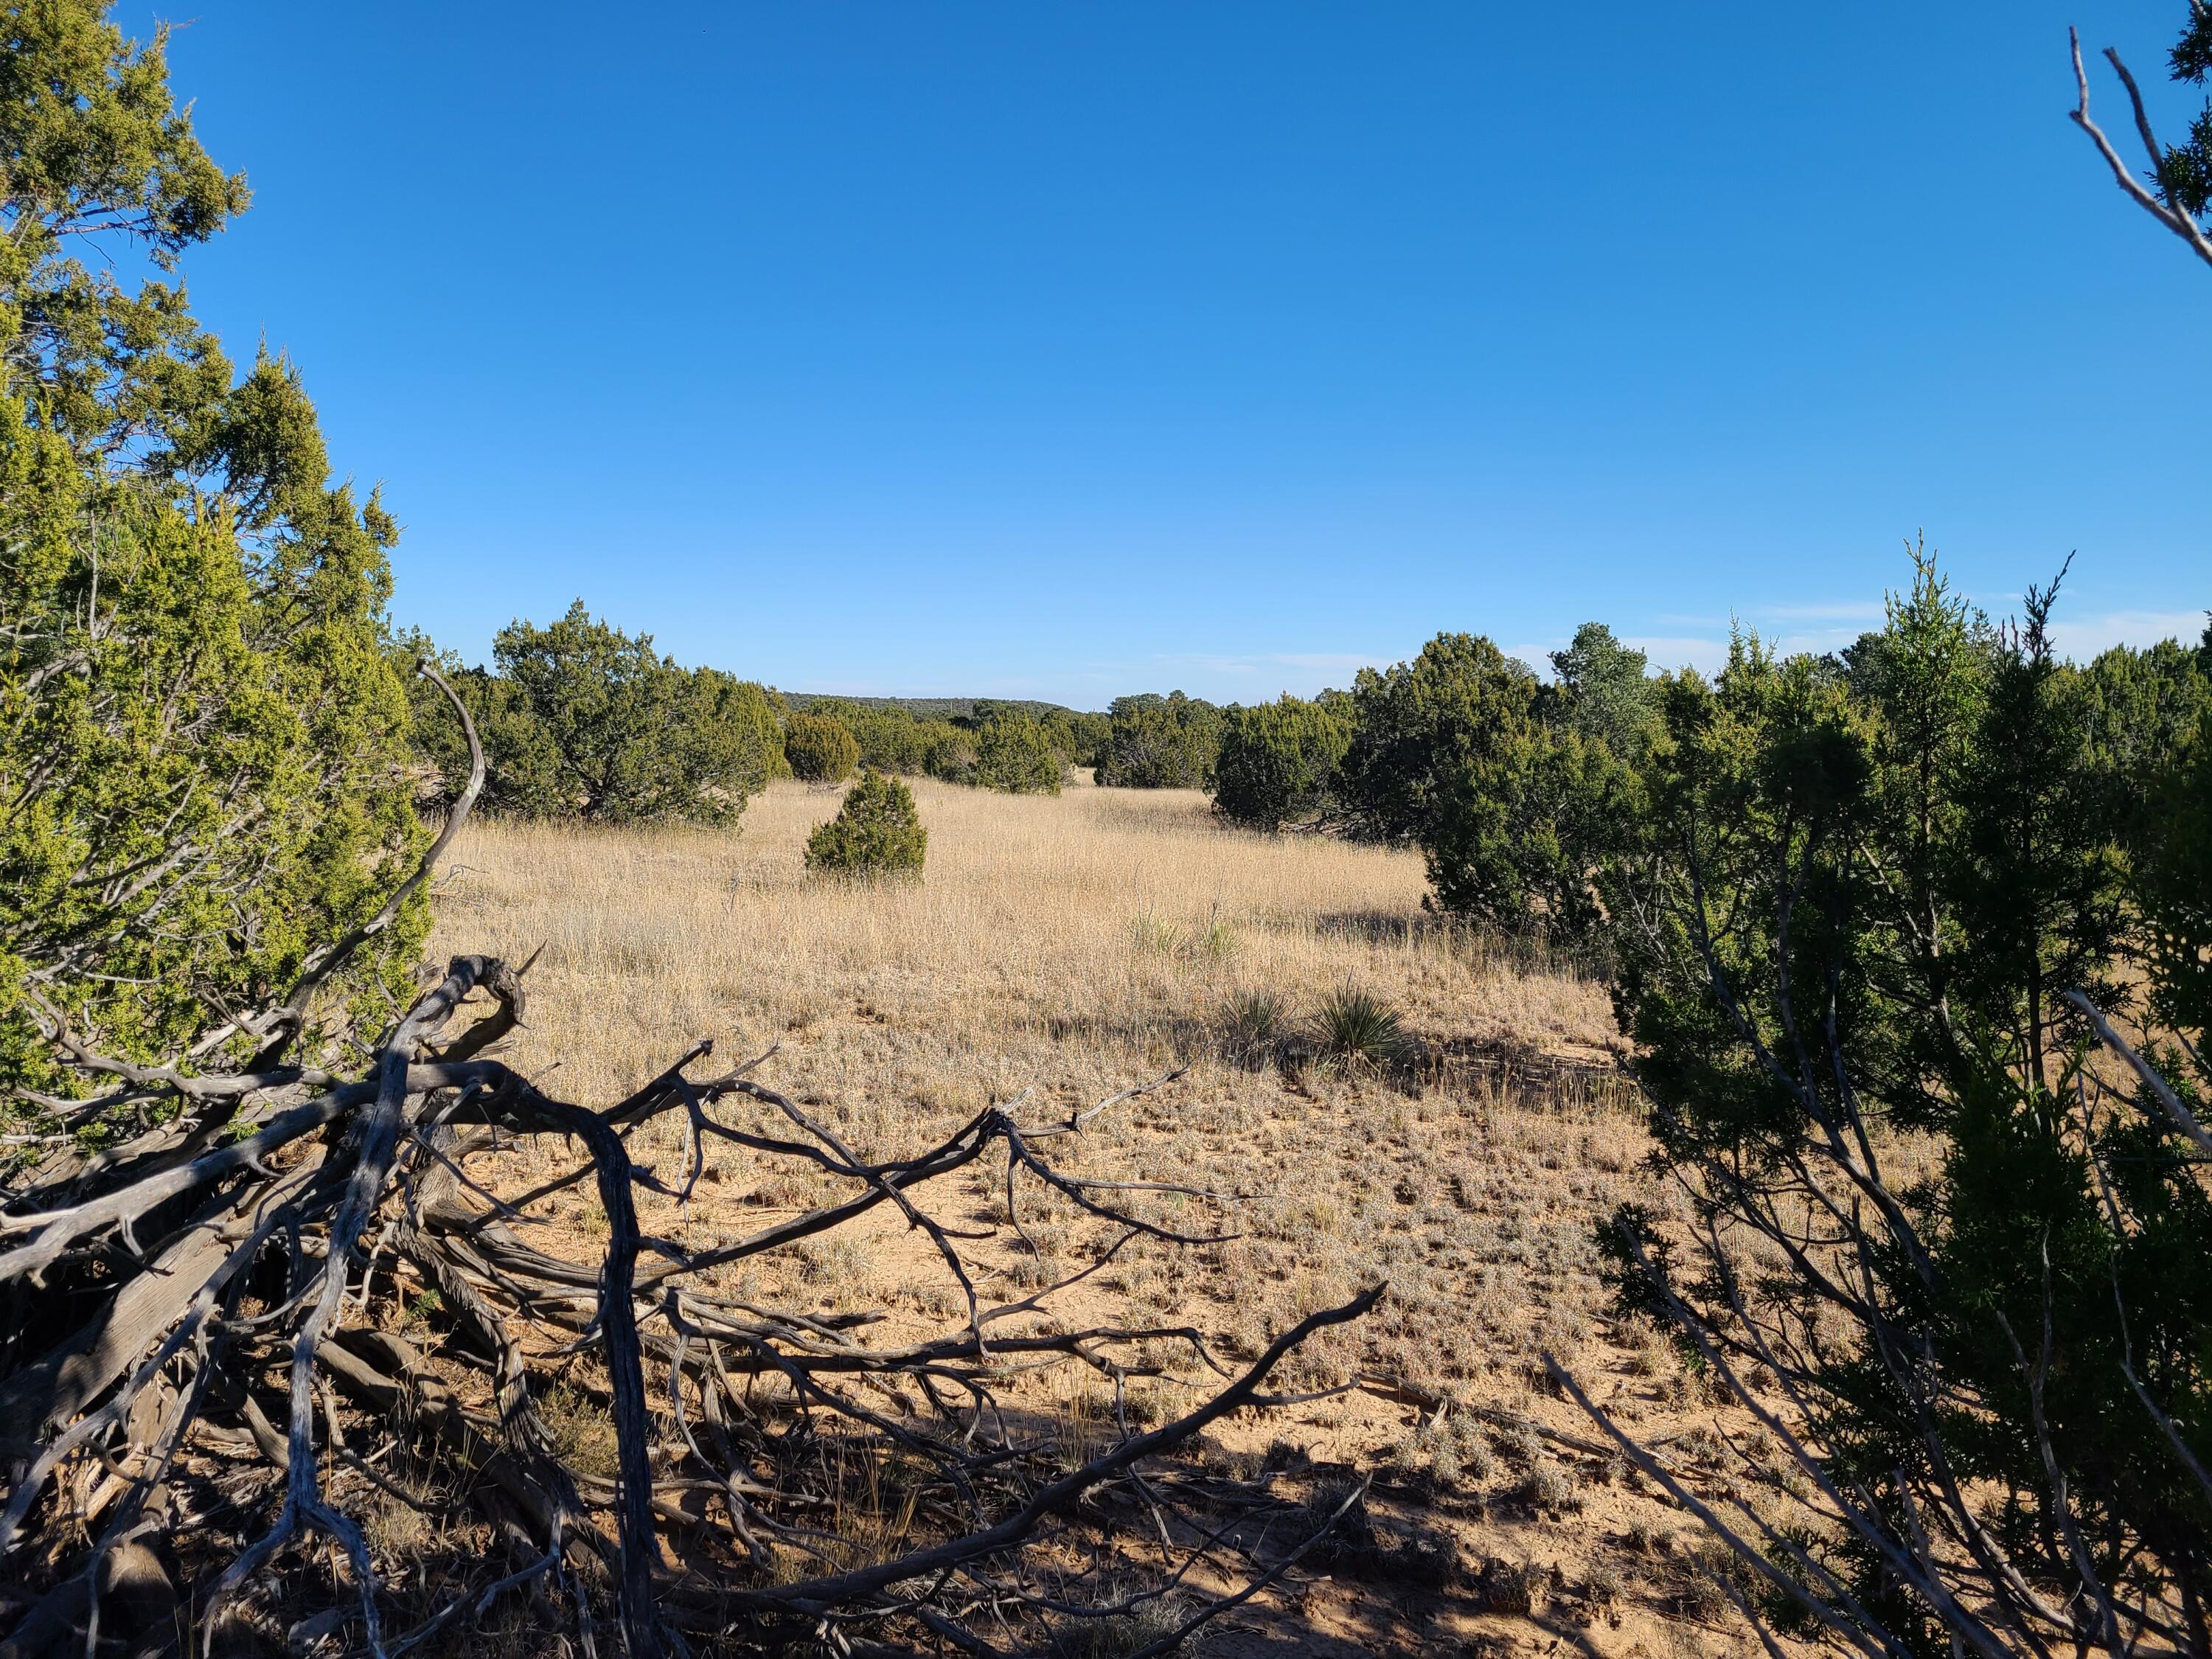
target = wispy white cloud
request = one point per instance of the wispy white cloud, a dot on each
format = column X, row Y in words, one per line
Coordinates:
column 2083, row 638
column 1845, row 611
column 1680, row 651
column 1325, row 662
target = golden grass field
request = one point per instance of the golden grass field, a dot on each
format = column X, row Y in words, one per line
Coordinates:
column 1076, row 945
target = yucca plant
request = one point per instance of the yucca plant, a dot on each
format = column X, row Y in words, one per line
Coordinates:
column 1359, row 1029
column 1252, row 1023
column 1150, row 931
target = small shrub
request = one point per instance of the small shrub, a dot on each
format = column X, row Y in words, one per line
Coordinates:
column 396, row 1529
column 820, row 749
column 876, row 832
column 1150, row 932
column 1123, row 1632
column 583, row 1431
column 1698, row 1592
column 1252, row 1024
column 1505, row 1586
column 1604, row 1586
column 833, row 1259
column 1548, row 1488
column 1359, row 1029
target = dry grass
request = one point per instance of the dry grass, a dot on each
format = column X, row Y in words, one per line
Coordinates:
column 1073, row 946
column 1100, row 929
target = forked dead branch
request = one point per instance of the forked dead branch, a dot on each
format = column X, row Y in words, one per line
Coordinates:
column 215, row 1314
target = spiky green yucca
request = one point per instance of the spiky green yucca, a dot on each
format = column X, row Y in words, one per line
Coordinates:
column 1252, row 1023
column 876, row 832
column 1360, row 1029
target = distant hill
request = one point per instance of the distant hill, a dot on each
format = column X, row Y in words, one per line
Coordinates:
column 930, row 708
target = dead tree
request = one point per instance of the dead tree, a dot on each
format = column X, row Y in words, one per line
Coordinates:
column 2163, row 196
column 205, row 1351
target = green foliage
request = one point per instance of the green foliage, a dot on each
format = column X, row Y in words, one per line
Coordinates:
column 1014, row 753
column 1605, row 696
column 1853, row 906
column 1515, row 817
column 2173, row 877
column 1519, row 836
column 1252, row 1023
column 876, row 832
column 2036, row 879
column 890, row 739
column 1080, row 737
column 95, row 147
column 943, row 737
column 1278, row 762
column 2185, row 171
column 820, row 749
column 201, row 734
column 582, row 719
column 1422, row 725
column 1159, row 743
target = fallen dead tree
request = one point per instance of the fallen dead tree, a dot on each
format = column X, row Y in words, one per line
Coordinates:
column 212, row 1369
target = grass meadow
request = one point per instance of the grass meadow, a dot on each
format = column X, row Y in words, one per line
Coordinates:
column 1374, row 1094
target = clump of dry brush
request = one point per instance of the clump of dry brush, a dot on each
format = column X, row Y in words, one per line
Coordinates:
column 287, row 1327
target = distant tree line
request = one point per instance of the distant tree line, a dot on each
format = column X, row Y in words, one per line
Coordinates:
column 1526, row 796
column 580, row 719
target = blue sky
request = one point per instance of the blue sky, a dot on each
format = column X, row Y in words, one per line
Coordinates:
column 1065, row 349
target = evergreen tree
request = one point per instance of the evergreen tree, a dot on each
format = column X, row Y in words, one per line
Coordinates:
column 1606, row 696
column 1278, row 762
column 202, row 738
column 1847, row 932
column 1159, row 743
column 876, row 832
column 820, row 749
column 1422, row 725
column 1518, row 836
column 2038, row 884
column 1014, row 753
column 583, row 718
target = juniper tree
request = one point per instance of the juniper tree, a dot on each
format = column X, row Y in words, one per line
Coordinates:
column 820, row 749
column 1159, row 743
column 1014, row 753
column 876, row 832
column 1605, row 695
column 1278, row 762
column 582, row 719
column 202, row 753
column 1419, row 726
column 1869, row 937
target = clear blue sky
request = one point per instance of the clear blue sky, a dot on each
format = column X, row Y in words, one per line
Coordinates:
column 1060, row 350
